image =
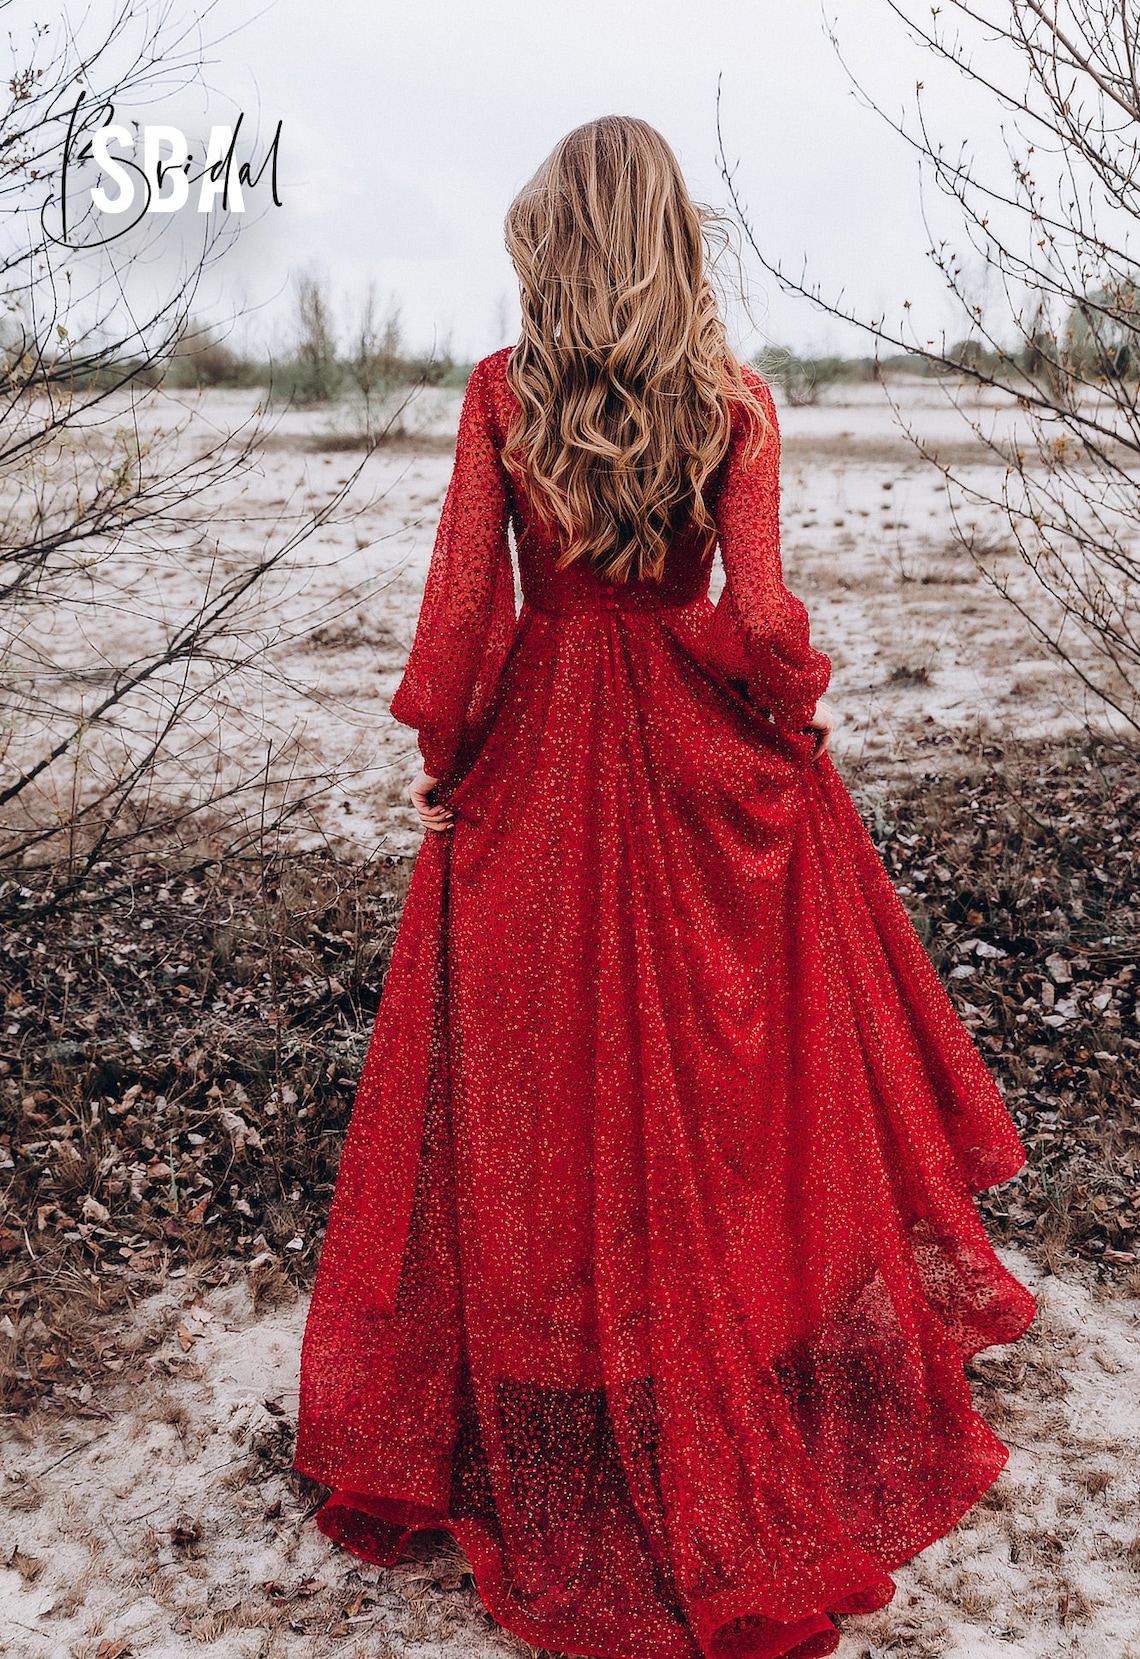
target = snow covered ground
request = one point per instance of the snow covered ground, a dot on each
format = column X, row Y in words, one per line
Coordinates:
column 168, row 1524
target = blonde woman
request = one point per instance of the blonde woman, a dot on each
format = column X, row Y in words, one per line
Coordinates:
column 653, row 1263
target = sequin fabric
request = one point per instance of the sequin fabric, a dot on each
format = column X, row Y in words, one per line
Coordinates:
column 653, row 1262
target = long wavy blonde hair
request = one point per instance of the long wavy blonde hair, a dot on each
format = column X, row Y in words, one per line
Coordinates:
column 623, row 374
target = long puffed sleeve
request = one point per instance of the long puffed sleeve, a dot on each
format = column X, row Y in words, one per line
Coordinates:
column 467, row 618
column 760, row 632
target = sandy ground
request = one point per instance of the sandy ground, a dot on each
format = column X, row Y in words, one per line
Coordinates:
column 168, row 1524
column 162, row 1525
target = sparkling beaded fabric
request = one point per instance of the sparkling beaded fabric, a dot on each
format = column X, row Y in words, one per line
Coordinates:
column 653, row 1264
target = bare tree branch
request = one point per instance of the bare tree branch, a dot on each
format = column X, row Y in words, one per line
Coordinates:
column 1057, row 231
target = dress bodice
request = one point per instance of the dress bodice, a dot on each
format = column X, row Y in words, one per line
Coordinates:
column 755, row 638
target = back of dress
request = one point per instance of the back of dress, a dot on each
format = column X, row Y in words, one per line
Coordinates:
column 653, row 1265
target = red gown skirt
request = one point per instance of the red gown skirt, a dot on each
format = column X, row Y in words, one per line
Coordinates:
column 653, row 1264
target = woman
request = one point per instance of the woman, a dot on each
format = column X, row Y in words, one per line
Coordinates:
column 653, row 1264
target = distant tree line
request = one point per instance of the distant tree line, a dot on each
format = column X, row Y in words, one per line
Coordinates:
column 1098, row 342
column 315, row 366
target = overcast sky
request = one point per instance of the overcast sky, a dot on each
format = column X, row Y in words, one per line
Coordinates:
column 408, row 127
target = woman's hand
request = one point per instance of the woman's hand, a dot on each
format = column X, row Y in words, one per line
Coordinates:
column 823, row 723
column 431, row 817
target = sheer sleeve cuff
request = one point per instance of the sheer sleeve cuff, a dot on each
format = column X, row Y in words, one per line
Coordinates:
column 437, row 761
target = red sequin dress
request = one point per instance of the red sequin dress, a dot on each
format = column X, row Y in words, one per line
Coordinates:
column 653, row 1263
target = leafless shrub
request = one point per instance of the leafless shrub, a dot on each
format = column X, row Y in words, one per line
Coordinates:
column 318, row 371
column 201, row 358
column 377, row 363
column 1055, row 236
column 136, row 665
column 803, row 379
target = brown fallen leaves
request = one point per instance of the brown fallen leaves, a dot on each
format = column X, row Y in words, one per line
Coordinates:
column 1022, row 873
column 176, row 1072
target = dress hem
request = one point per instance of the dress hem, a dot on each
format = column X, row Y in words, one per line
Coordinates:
column 811, row 1632
column 731, row 1638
